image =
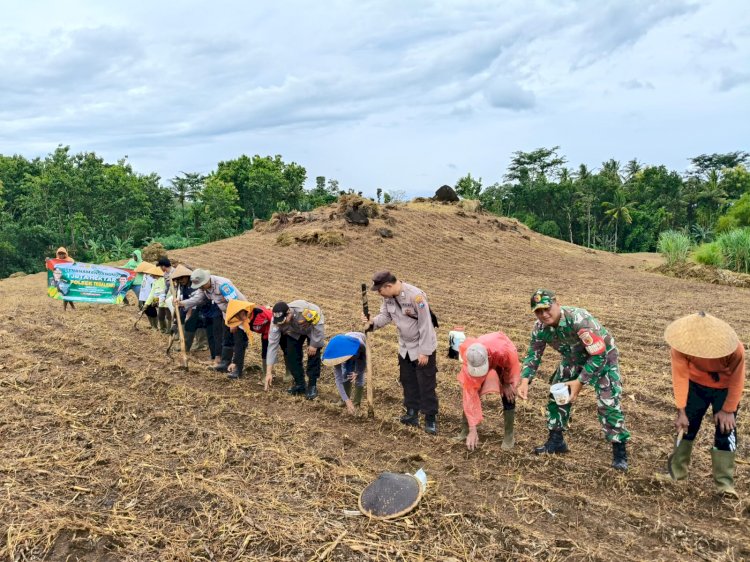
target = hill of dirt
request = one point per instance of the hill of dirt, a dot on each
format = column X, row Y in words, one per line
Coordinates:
column 108, row 451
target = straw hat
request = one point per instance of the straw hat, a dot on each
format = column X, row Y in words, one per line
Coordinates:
column 143, row 267
column 155, row 271
column 181, row 271
column 702, row 335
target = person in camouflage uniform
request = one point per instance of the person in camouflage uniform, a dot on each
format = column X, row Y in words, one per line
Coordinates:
column 589, row 357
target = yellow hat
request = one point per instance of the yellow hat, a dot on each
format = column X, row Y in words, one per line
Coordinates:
column 143, row 267
column 702, row 335
column 233, row 309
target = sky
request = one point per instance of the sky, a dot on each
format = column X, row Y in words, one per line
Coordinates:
column 400, row 95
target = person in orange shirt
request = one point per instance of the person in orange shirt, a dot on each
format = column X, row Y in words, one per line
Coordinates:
column 488, row 362
column 708, row 369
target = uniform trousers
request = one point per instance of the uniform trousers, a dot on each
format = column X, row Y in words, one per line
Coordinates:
column 419, row 384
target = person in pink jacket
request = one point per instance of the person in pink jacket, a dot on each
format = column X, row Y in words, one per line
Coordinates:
column 489, row 366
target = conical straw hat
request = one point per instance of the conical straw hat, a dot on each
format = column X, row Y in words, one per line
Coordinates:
column 155, row 271
column 181, row 271
column 702, row 335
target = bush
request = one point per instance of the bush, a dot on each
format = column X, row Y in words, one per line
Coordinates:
column 674, row 246
column 709, row 254
column 549, row 228
column 735, row 247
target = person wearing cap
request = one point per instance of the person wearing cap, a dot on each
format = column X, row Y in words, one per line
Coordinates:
column 243, row 319
column 347, row 354
column 133, row 263
column 294, row 324
column 219, row 291
column 157, row 301
column 488, row 362
column 589, row 358
column 406, row 306
column 708, row 369
column 62, row 254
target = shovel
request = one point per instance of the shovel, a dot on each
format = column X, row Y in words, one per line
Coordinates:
column 178, row 317
column 139, row 317
column 368, row 382
column 677, row 442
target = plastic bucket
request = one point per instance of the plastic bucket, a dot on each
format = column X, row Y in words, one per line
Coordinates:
column 561, row 393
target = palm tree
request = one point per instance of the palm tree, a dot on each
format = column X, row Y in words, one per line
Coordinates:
column 187, row 188
column 618, row 210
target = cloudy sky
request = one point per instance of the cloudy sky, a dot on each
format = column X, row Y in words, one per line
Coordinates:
column 406, row 94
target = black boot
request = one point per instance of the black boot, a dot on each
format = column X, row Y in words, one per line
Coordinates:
column 296, row 390
column 312, row 391
column 430, row 424
column 619, row 456
column 189, row 337
column 411, row 417
column 555, row 444
column 226, row 359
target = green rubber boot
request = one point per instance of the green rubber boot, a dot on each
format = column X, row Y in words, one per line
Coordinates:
column 722, row 463
column 153, row 322
column 464, row 430
column 357, row 398
column 679, row 461
column 509, row 440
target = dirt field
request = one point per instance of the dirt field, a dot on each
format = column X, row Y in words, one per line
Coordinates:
column 110, row 452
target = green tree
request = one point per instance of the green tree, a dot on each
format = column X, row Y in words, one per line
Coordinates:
column 221, row 209
column 468, row 187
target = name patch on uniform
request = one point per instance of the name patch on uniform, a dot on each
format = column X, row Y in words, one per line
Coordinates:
column 419, row 299
column 311, row 316
column 594, row 343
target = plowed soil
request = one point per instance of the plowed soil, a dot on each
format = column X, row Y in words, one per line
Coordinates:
column 108, row 451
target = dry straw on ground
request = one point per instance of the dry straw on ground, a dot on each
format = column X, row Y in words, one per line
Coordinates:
column 109, row 452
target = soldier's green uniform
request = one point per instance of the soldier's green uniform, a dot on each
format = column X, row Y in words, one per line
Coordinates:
column 589, row 354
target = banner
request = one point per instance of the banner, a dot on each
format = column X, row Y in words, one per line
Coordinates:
column 87, row 282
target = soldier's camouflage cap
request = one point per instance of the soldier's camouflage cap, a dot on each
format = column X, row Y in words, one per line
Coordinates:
column 542, row 298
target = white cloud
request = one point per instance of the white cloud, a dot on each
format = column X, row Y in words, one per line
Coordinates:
column 376, row 93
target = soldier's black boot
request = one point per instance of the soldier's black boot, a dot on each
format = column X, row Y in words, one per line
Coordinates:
column 312, row 391
column 430, row 424
column 555, row 444
column 411, row 417
column 226, row 359
column 619, row 456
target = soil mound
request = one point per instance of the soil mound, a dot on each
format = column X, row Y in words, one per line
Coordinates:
column 705, row 273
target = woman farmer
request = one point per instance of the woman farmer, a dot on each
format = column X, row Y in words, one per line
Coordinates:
column 708, row 369
column 147, row 282
column 133, row 263
column 156, row 301
column 346, row 354
column 243, row 318
column 62, row 254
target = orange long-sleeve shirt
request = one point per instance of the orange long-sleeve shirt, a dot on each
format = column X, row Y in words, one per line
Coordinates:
column 730, row 371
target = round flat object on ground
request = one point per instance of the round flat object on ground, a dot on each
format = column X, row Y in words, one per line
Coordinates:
column 391, row 495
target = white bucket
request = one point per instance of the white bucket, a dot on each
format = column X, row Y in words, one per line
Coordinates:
column 561, row 393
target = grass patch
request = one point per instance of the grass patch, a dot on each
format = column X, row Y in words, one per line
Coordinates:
column 674, row 246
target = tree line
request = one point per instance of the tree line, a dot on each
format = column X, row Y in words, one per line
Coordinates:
column 100, row 211
column 616, row 207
